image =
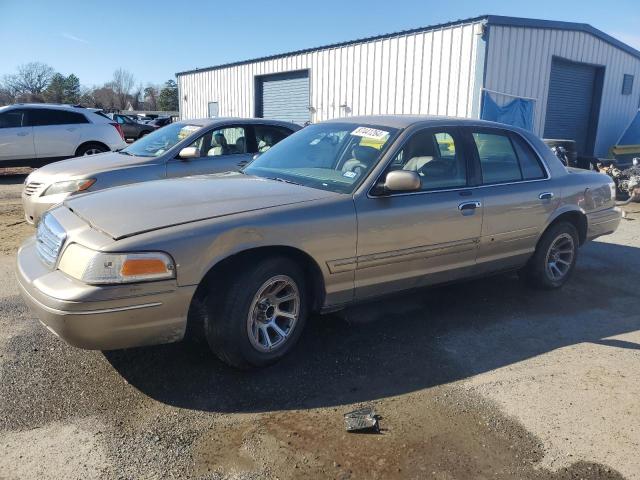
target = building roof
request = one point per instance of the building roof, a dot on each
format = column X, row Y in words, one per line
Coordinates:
column 488, row 19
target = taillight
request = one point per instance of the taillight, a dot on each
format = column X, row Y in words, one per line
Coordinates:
column 119, row 129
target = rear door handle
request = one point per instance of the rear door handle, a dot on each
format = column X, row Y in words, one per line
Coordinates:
column 546, row 196
column 469, row 205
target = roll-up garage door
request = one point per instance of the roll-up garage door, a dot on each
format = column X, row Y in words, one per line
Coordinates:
column 284, row 96
column 573, row 103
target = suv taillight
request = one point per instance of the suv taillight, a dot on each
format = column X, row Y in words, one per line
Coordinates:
column 119, row 129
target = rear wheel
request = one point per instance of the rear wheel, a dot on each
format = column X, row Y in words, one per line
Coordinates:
column 259, row 317
column 555, row 257
column 90, row 149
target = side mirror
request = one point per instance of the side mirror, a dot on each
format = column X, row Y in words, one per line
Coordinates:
column 188, row 152
column 402, row 181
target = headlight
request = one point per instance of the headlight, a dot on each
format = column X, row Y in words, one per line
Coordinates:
column 612, row 188
column 94, row 267
column 70, row 186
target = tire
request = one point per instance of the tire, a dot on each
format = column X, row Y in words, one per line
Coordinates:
column 238, row 318
column 560, row 241
column 90, row 149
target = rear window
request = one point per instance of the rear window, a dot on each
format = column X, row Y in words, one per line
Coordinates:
column 42, row 117
column 504, row 159
column 12, row 119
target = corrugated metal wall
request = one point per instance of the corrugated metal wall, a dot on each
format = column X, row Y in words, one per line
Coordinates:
column 519, row 63
column 430, row 72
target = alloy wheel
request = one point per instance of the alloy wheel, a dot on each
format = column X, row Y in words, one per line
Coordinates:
column 273, row 314
column 560, row 257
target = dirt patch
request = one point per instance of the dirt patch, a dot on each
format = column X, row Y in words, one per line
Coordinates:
column 436, row 434
column 13, row 227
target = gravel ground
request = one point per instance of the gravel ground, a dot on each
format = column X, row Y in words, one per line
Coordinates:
column 508, row 383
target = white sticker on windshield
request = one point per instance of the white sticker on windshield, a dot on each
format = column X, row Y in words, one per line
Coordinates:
column 349, row 174
column 368, row 132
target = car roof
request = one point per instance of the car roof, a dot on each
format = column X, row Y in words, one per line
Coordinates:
column 54, row 106
column 405, row 121
column 207, row 122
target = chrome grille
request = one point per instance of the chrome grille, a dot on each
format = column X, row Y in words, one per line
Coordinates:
column 50, row 237
column 31, row 188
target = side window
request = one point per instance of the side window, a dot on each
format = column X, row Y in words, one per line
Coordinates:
column 529, row 162
column 203, row 144
column 12, row 119
column 267, row 136
column 120, row 120
column 42, row 117
column 227, row 141
column 498, row 159
column 433, row 156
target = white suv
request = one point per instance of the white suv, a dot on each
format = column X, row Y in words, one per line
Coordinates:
column 36, row 134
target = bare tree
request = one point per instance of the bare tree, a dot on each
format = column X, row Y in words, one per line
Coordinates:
column 32, row 79
column 136, row 98
column 122, row 83
column 151, row 97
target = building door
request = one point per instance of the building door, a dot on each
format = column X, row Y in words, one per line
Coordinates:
column 283, row 96
column 213, row 109
column 573, row 103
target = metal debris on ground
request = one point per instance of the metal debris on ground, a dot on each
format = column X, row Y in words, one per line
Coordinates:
column 627, row 181
column 363, row 420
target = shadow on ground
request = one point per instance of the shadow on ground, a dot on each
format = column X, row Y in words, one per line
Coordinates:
column 404, row 343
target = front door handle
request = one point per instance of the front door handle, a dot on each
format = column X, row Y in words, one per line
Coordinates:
column 22, row 134
column 546, row 196
column 465, row 206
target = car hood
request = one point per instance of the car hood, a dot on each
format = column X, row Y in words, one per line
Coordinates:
column 132, row 209
column 82, row 167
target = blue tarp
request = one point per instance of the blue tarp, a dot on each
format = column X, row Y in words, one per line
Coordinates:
column 631, row 135
column 518, row 112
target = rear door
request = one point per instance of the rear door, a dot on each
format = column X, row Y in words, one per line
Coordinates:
column 56, row 132
column 413, row 239
column 223, row 149
column 16, row 136
column 518, row 197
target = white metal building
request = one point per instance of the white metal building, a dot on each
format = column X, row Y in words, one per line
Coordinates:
column 581, row 80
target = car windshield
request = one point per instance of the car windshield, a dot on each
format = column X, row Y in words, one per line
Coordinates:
column 328, row 156
column 159, row 141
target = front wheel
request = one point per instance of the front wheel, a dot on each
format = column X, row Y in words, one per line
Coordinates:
column 260, row 315
column 555, row 257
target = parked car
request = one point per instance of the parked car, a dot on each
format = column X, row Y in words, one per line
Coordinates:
column 132, row 129
column 36, row 134
column 160, row 122
column 180, row 149
column 339, row 212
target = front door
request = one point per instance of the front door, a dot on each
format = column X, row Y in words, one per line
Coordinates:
column 413, row 239
column 16, row 138
column 221, row 150
column 518, row 195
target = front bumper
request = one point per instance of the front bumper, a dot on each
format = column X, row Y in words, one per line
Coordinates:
column 35, row 205
column 102, row 317
column 603, row 222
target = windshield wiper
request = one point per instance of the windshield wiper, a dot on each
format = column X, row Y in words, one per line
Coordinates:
column 283, row 180
column 122, row 152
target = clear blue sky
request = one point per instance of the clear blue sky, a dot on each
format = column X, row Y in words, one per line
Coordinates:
column 155, row 39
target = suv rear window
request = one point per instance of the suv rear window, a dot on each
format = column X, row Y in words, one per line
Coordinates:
column 12, row 119
column 41, row 116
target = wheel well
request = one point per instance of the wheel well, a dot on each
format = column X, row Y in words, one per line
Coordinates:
column 85, row 144
column 223, row 269
column 578, row 220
